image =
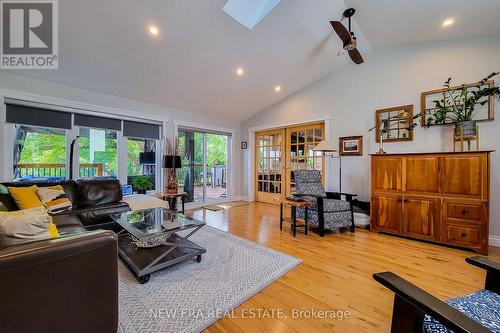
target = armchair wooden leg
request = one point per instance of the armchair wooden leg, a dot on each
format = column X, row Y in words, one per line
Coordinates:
column 321, row 217
column 405, row 317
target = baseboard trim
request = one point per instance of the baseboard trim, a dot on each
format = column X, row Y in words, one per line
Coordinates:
column 494, row 241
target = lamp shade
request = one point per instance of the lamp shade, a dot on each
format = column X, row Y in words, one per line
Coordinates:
column 172, row 162
column 148, row 157
column 325, row 146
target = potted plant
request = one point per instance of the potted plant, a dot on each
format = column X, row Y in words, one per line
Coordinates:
column 142, row 184
column 459, row 106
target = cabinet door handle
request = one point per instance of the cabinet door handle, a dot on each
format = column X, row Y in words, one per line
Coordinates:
column 464, row 212
column 463, row 234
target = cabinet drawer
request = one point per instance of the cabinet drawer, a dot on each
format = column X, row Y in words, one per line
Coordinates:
column 463, row 235
column 467, row 211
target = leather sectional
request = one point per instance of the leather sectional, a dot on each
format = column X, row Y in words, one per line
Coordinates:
column 69, row 283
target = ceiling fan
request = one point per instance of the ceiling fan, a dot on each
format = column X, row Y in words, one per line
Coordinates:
column 347, row 36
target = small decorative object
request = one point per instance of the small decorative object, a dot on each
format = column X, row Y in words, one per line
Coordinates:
column 394, row 124
column 462, row 106
column 351, row 145
column 142, row 184
column 244, row 145
column 172, row 163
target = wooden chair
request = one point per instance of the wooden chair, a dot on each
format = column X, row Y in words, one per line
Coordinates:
column 418, row 311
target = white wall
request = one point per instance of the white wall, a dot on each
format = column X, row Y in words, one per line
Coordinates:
column 43, row 91
column 391, row 77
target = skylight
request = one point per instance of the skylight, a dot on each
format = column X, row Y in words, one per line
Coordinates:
column 249, row 12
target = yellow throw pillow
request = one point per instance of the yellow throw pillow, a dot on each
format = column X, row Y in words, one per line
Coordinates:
column 25, row 197
column 54, row 199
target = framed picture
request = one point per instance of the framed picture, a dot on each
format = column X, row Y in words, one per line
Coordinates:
column 428, row 101
column 394, row 124
column 351, row 145
column 244, row 145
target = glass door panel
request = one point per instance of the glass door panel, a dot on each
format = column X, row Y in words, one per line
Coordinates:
column 203, row 175
column 269, row 165
column 301, row 141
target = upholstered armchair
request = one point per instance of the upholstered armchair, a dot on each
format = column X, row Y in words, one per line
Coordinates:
column 418, row 311
column 327, row 210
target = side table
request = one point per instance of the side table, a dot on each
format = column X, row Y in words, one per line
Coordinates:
column 172, row 199
column 293, row 220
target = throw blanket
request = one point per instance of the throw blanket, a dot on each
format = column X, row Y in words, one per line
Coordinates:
column 143, row 201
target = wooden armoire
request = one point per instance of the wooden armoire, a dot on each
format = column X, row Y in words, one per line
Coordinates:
column 438, row 197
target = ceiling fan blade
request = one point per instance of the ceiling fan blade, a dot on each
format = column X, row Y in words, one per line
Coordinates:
column 356, row 56
column 342, row 31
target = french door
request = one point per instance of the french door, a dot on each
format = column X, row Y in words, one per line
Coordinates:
column 279, row 152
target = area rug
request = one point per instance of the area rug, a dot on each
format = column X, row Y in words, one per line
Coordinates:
column 190, row 296
column 225, row 205
column 214, row 208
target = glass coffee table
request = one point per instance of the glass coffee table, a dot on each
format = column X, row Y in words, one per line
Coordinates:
column 149, row 240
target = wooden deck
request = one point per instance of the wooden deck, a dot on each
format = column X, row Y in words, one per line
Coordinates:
column 336, row 274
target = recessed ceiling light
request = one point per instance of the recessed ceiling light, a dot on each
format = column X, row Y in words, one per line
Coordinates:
column 447, row 22
column 277, row 89
column 153, row 30
column 240, row 71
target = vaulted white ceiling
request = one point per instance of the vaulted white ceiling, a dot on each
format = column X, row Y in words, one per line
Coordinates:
column 105, row 46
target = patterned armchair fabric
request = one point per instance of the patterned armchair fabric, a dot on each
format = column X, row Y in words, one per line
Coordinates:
column 336, row 213
column 482, row 306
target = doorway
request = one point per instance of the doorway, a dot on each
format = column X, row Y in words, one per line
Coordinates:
column 204, row 171
column 279, row 152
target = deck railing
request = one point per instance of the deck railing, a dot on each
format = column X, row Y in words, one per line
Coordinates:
column 58, row 170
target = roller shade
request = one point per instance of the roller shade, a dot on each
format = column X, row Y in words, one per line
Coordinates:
column 202, row 130
column 141, row 130
column 25, row 115
column 98, row 122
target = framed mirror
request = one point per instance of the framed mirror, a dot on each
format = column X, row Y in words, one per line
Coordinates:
column 394, row 124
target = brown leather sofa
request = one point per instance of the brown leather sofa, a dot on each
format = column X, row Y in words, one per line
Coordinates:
column 67, row 284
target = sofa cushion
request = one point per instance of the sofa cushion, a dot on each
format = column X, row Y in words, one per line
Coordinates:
column 100, row 214
column 98, row 191
column 482, row 306
column 69, row 187
column 68, row 224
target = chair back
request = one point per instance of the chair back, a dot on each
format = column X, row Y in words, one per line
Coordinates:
column 309, row 182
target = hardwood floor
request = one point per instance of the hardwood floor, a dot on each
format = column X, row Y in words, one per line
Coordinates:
column 336, row 274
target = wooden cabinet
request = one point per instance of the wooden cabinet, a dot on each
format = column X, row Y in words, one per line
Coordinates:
column 421, row 216
column 388, row 210
column 439, row 197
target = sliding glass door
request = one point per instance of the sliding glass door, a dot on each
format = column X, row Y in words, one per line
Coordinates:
column 203, row 175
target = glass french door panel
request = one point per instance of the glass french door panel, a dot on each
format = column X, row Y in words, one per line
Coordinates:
column 300, row 149
column 269, row 165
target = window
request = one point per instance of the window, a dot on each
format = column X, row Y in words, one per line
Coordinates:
column 39, row 153
column 98, row 155
column 203, row 175
column 141, row 159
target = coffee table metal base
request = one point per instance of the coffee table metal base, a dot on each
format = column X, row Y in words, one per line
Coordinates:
column 144, row 261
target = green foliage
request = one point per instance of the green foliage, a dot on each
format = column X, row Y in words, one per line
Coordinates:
column 142, row 183
column 460, row 105
column 43, row 149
